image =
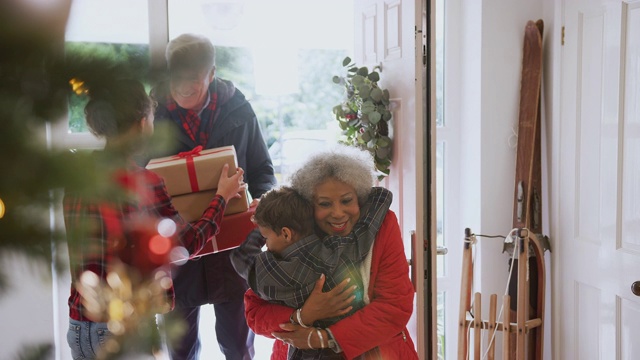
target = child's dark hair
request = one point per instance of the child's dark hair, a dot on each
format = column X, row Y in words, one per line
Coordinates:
column 284, row 207
column 116, row 107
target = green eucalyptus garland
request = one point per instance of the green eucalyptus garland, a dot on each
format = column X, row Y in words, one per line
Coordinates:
column 364, row 114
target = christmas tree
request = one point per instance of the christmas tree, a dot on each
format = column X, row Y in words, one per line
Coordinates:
column 37, row 78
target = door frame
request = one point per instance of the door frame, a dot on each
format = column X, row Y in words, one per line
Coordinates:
column 427, row 199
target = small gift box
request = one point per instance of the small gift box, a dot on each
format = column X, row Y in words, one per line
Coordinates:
column 233, row 231
column 194, row 171
column 191, row 206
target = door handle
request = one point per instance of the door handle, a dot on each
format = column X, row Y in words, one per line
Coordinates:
column 635, row 288
column 414, row 271
column 441, row 250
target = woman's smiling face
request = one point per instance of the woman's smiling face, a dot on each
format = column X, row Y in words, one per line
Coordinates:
column 336, row 208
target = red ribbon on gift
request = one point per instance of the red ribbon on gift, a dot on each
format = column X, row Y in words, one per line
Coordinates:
column 195, row 151
column 191, row 167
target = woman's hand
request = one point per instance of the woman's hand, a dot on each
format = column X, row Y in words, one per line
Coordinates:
column 322, row 305
column 295, row 335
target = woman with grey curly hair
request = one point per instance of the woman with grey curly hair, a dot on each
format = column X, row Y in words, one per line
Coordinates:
column 338, row 183
column 346, row 164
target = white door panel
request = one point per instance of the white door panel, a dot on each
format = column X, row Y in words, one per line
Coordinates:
column 385, row 35
column 598, row 250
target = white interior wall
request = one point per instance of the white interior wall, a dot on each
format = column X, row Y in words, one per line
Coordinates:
column 26, row 310
column 503, row 23
column 553, row 9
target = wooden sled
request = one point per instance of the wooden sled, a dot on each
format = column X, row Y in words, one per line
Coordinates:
column 471, row 324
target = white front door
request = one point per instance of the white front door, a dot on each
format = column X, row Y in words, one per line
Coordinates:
column 388, row 33
column 597, row 245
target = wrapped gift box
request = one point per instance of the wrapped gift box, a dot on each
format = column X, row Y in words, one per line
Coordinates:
column 191, row 206
column 233, row 231
column 194, row 171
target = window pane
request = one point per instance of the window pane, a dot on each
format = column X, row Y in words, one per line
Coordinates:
column 441, row 325
column 113, row 21
column 439, row 63
column 273, row 24
column 440, row 206
column 102, row 29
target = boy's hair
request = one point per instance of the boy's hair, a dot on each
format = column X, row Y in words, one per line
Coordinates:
column 284, row 207
column 190, row 51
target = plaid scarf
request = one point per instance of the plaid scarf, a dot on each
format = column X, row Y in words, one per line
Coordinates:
column 198, row 126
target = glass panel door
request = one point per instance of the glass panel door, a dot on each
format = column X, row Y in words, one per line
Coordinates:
column 449, row 231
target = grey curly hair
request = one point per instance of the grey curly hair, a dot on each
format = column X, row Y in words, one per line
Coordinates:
column 349, row 165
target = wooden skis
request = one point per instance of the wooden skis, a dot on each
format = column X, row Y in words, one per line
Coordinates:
column 527, row 206
column 527, row 209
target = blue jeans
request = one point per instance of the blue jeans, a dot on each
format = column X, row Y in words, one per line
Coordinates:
column 86, row 338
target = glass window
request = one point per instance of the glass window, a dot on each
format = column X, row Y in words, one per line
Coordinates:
column 283, row 64
column 447, row 153
column 439, row 55
column 440, row 175
column 441, row 323
column 102, row 29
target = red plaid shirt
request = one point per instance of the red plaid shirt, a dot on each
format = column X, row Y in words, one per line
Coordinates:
column 197, row 125
column 90, row 234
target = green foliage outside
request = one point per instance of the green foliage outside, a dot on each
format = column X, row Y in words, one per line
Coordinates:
column 136, row 56
column 309, row 108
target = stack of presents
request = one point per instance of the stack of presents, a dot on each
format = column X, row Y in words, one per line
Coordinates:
column 191, row 179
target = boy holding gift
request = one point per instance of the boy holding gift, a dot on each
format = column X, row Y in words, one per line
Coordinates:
column 105, row 231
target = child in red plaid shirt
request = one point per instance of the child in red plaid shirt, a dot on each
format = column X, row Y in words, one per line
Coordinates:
column 99, row 223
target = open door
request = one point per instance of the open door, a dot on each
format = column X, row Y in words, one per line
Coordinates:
column 393, row 34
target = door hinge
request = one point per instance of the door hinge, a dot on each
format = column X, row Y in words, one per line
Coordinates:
column 562, row 37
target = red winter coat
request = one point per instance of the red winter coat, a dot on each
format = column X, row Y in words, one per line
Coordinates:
column 381, row 323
